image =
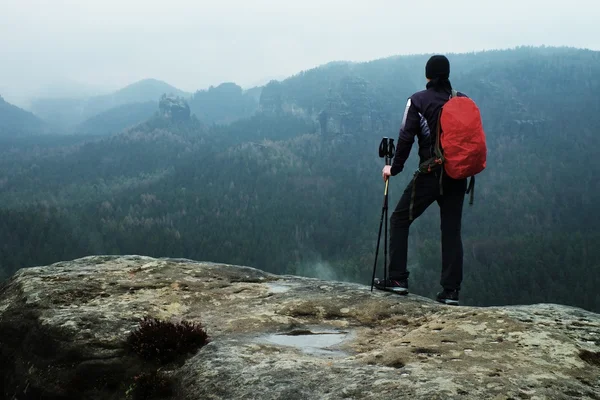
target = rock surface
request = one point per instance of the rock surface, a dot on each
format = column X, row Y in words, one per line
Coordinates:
column 63, row 328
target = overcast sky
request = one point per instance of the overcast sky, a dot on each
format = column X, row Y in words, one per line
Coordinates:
column 196, row 43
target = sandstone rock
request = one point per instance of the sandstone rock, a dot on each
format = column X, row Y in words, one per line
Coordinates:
column 174, row 108
column 63, row 330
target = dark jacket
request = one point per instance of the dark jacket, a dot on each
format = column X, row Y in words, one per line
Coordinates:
column 420, row 120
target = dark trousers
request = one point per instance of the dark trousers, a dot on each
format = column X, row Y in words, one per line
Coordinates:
column 451, row 206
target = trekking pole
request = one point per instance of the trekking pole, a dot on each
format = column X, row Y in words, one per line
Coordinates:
column 379, row 238
column 386, row 151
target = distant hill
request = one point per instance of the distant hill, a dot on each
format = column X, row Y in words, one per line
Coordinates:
column 15, row 121
column 225, row 103
column 66, row 113
column 117, row 118
column 138, row 92
column 222, row 104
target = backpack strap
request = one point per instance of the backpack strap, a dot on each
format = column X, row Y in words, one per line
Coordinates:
column 471, row 190
column 413, row 196
column 441, row 181
column 438, row 149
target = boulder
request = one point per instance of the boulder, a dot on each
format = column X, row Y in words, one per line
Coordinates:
column 65, row 332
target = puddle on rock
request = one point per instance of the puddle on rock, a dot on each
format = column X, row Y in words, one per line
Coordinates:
column 276, row 288
column 315, row 341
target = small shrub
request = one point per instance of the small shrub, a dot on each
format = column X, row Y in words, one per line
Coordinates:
column 166, row 341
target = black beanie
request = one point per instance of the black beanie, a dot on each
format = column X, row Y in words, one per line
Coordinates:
column 437, row 67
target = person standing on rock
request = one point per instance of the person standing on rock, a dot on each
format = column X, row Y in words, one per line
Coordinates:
column 421, row 117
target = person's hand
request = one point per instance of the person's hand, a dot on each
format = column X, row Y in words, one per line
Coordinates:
column 386, row 172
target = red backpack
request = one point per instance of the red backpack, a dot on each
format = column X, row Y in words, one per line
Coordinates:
column 460, row 144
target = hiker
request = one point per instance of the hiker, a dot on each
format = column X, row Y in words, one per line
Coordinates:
column 421, row 117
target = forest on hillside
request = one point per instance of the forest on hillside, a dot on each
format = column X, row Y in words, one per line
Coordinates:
column 293, row 184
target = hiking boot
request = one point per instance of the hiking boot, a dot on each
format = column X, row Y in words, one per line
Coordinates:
column 392, row 285
column 449, row 297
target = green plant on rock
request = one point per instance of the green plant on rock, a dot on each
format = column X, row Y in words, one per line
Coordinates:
column 165, row 341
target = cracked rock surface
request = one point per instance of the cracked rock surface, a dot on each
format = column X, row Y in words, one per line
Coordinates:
column 63, row 329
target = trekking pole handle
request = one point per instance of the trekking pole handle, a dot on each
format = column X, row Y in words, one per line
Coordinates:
column 383, row 147
column 387, row 149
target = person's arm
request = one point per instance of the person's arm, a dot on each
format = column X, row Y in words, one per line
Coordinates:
column 411, row 125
